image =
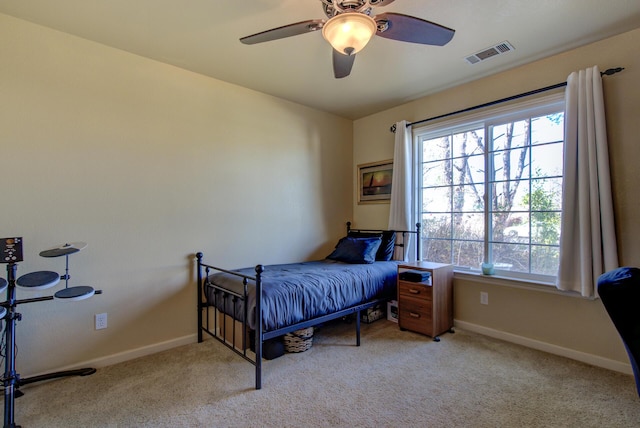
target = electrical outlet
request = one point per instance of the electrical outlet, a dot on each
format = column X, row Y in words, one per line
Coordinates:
column 484, row 298
column 101, row 321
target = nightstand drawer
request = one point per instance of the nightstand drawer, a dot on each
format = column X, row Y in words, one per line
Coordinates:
column 416, row 290
column 415, row 315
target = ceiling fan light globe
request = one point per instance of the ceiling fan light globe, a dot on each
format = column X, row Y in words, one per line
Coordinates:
column 349, row 32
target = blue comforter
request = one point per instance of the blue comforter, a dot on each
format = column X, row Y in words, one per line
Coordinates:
column 297, row 292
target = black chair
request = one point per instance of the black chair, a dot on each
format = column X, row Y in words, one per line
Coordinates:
column 619, row 290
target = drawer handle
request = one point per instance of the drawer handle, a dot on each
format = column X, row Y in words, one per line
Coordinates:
column 414, row 291
column 413, row 314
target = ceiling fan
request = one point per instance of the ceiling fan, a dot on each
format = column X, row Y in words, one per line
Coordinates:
column 350, row 27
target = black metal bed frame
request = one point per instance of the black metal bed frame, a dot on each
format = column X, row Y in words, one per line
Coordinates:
column 219, row 331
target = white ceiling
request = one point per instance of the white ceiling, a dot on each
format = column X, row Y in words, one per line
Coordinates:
column 202, row 36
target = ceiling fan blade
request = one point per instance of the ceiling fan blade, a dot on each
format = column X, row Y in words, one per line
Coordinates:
column 285, row 31
column 342, row 64
column 411, row 29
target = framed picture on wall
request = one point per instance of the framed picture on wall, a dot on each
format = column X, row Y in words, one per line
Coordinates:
column 374, row 182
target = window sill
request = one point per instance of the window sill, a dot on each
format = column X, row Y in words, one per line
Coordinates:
column 524, row 284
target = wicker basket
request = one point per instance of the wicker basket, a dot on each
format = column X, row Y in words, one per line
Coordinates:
column 299, row 340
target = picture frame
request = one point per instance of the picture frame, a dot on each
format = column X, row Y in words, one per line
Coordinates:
column 374, row 182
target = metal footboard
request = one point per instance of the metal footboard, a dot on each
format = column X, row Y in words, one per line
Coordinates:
column 222, row 326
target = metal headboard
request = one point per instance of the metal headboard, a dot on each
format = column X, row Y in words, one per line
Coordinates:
column 397, row 244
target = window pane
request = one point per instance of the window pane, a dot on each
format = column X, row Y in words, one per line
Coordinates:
column 467, row 253
column 511, row 135
column 437, row 225
column 468, row 169
column 437, row 173
column 546, row 129
column 511, row 227
column 545, row 228
column 437, row 199
column 510, row 196
column 468, row 143
column 436, row 149
column 546, row 194
column 468, row 198
column 511, row 164
column 547, row 160
column 436, row 250
column 511, row 257
column 545, row 260
column 468, row 226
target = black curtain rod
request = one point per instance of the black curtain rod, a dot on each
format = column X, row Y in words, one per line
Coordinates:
column 607, row 72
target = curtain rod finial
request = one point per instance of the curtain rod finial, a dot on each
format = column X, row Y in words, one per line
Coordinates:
column 611, row 71
column 393, row 128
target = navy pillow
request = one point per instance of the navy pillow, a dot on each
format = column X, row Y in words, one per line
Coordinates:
column 356, row 250
column 387, row 246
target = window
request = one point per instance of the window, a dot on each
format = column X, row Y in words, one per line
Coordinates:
column 490, row 186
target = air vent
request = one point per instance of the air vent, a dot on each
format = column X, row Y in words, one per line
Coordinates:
column 485, row 54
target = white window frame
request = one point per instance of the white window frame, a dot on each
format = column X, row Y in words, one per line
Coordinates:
column 496, row 115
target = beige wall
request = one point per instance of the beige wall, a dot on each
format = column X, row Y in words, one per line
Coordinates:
column 564, row 323
column 148, row 164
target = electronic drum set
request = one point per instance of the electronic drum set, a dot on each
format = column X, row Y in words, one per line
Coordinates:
column 47, row 279
column 11, row 253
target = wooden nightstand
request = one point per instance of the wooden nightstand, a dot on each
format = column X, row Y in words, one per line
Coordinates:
column 426, row 306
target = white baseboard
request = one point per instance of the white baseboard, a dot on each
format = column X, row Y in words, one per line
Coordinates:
column 591, row 359
column 594, row 360
column 130, row 354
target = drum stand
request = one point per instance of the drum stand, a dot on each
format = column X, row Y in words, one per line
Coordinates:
column 11, row 379
column 10, row 375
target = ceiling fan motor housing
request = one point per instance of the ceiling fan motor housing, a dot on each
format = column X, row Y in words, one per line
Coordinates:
column 336, row 7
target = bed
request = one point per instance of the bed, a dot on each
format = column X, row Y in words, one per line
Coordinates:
column 247, row 308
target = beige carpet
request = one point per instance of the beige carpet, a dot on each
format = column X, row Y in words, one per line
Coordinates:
column 395, row 379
